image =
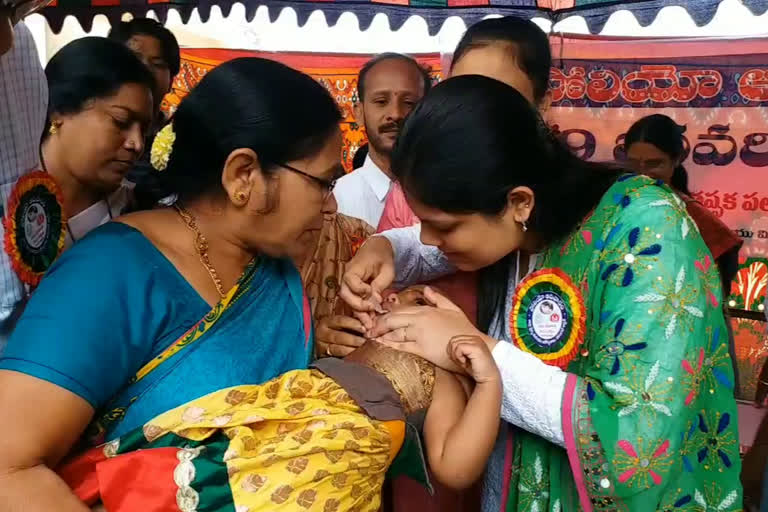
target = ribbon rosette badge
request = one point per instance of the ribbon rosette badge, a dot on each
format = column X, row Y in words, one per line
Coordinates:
column 548, row 318
column 34, row 226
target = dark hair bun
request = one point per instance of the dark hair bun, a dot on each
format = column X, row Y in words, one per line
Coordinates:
column 278, row 112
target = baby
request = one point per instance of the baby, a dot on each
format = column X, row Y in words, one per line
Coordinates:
column 319, row 439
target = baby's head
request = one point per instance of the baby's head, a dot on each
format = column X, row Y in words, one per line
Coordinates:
column 411, row 296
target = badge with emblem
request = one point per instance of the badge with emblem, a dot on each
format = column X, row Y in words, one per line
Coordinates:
column 34, row 226
column 548, row 317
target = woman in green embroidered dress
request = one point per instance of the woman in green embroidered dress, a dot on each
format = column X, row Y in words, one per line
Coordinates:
column 618, row 386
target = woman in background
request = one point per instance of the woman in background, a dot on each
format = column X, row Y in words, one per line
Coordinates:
column 99, row 107
column 99, row 110
column 158, row 49
column 655, row 148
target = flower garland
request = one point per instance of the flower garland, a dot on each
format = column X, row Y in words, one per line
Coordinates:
column 162, row 147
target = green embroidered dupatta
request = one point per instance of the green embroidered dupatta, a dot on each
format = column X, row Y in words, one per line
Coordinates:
column 649, row 414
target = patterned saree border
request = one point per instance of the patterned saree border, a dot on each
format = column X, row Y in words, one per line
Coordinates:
column 571, row 384
column 187, row 498
column 509, row 452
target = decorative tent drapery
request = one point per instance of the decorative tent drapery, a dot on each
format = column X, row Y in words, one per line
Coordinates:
column 435, row 12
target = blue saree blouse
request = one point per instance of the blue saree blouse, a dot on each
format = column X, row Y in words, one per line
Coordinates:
column 113, row 302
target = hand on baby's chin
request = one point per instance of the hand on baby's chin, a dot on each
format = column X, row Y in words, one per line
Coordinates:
column 365, row 318
column 423, row 330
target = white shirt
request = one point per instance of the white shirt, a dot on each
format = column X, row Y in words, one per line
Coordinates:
column 23, row 106
column 363, row 192
column 98, row 213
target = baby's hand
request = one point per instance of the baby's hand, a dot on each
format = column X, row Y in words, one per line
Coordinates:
column 472, row 354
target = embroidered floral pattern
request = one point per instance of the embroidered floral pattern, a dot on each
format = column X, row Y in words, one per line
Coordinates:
column 619, row 349
column 711, row 276
column 702, row 369
column 648, row 395
column 714, row 499
column 680, row 306
column 534, row 488
column 717, row 440
column 633, row 258
column 678, row 213
column 642, row 466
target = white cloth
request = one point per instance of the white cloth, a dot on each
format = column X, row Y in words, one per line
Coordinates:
column 533, row 390
column 23, row 106
column 363, row 192
column 99, row 213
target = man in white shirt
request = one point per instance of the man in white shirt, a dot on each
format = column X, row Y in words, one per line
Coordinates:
column 388, row 88
column 23, row 105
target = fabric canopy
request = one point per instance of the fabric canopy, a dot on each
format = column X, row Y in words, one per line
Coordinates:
column 435, row 12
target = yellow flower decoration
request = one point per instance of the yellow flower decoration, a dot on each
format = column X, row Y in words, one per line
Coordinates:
column 162, row 147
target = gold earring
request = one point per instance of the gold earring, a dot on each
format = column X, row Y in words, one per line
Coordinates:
column 53, row 130
column 241, row 197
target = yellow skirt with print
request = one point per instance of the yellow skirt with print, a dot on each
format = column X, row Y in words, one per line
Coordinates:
column 296, row 443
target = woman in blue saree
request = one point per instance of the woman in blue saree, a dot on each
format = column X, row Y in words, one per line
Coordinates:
column 168, row 305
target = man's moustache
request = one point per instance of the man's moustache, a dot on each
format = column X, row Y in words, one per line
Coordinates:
column 390, row 128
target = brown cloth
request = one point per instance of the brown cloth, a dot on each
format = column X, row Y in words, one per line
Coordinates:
column 321, row 273
column 412, row 377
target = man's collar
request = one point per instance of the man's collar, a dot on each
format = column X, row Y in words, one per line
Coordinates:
column 375, row 177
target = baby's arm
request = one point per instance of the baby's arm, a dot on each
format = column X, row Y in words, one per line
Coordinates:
column 460, row 433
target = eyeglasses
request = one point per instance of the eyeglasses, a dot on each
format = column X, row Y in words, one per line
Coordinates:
column 328, row 185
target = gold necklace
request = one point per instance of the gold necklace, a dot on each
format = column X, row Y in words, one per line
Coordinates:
column 201, row 244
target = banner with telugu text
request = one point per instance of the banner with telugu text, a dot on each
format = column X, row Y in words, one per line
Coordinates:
column 717, row 89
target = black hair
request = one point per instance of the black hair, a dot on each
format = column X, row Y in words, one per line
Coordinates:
column 447, row 168
column 528, row 42
column 123, row 31
column 278, row 112
column 360, row 155
column 91, row 68
column 391, row 56
column 665, row 134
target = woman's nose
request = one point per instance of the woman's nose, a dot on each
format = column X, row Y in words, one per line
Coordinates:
column 330, row 205
column 135, row 140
